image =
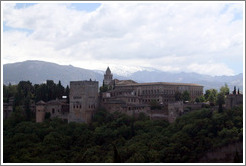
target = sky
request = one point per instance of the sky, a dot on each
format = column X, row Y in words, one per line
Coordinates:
column 201, row 37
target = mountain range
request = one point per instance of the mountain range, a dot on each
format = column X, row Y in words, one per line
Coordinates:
column 39, row 71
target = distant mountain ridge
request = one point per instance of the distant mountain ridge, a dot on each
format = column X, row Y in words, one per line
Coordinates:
column 207, row 81
column 39, row 71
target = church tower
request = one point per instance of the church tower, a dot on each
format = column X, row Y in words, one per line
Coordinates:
column 107, row 77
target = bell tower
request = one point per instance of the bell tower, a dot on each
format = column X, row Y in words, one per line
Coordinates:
column 107, row 77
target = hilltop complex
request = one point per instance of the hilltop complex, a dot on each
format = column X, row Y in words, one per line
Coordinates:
column 156, row 100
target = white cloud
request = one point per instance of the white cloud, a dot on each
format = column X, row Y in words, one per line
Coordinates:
column 167, row 36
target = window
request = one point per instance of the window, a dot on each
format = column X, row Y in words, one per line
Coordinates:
column 53, row 110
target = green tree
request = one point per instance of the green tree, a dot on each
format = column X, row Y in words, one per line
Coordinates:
column 104, row 88
column 26, row 88
column 51, row 88
column 178, row 96
column 9, row 91
column 235, row 90
column 117, row 158
column 212, row 96
column 28, row 112
column 207, row 94
column 225, row 89
column 220, row 100
column 186, row 96
column 202, row 98
column 60, row 90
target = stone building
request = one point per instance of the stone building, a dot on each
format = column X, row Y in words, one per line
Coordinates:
column 83, row 100
column 8, row 108
column 107, row 77
column 175, row 110
column 40, row 111
column 233, row 100
column 51, row 109
column 156, row 100
column 132, row 98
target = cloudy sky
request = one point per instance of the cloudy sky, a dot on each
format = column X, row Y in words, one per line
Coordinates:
column 204, row 37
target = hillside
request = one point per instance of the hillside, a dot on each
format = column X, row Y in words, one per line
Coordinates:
column 38, row 72
column 123, row 139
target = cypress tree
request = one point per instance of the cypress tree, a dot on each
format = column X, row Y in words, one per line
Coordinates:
column 235, row 91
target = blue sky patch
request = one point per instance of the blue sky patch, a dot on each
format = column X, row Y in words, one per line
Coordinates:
column 8, row 28
column 24, row 5
column 88, row 7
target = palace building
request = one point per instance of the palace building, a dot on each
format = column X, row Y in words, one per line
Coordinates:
column 155, row 99
column 132, row 98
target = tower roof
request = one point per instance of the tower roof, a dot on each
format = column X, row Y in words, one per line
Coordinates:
column 108, row 71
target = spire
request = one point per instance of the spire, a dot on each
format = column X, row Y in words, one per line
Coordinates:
column 108, row 72
column 107, row 77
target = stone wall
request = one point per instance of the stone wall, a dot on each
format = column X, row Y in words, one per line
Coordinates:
column 83, row 100
column 233, row 100
column 40, row 111
column 175, row 110
column 7, row 110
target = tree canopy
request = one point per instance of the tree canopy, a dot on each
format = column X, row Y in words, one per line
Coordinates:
column 119, row 138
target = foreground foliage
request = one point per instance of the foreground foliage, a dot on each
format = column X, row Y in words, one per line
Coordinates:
column 119, row 138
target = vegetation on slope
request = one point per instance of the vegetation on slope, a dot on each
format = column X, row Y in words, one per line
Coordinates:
column 119, row 138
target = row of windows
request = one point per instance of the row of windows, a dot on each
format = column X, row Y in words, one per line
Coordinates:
column 53, row 110
column 79, row 106
column 148, row 100
column 150, row 91
column 76, row 106
column 92, row 106
column 123, row 93
column 153, row 91
column 132, row 100
column 171, row 92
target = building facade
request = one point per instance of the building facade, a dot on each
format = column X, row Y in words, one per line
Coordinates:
column 132, row 98
column 58, row 108
column 233, row 100
column 156, row 100
column 83, row 100
column 8, row 108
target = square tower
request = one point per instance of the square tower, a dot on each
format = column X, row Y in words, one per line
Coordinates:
column 107, row 77
column 83, row 100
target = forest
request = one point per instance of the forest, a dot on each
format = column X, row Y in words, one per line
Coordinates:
column 118, row 138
